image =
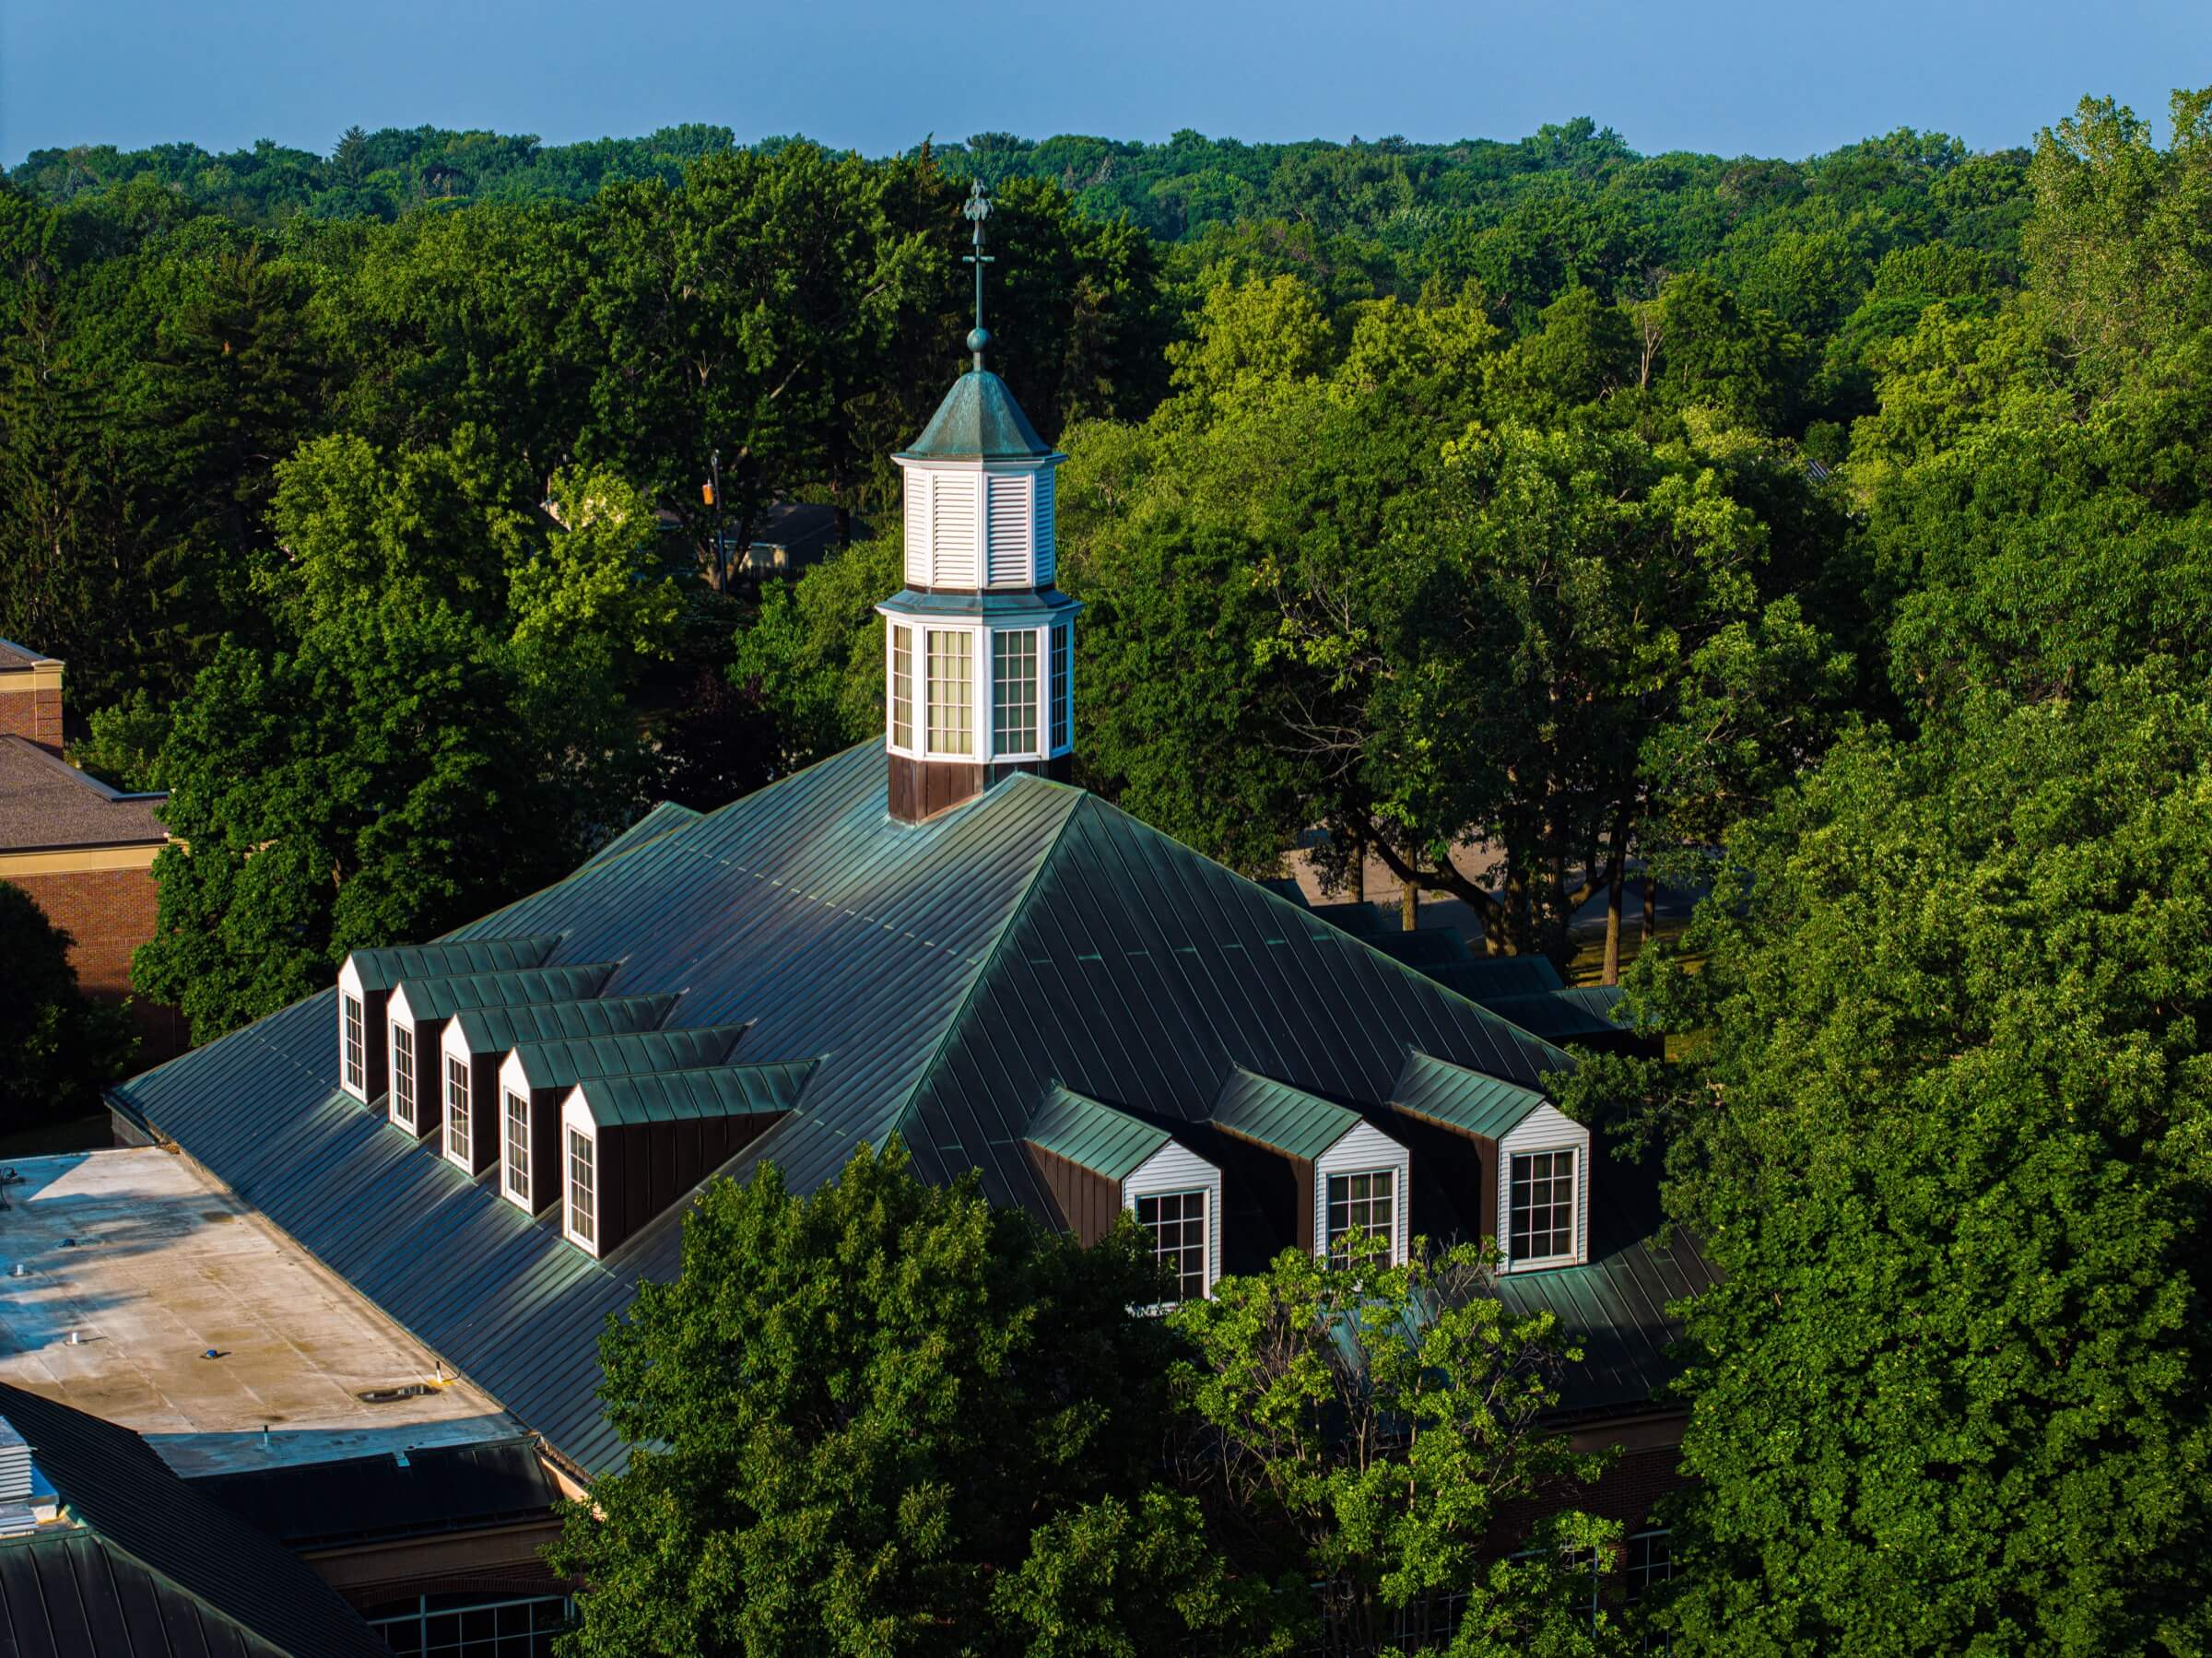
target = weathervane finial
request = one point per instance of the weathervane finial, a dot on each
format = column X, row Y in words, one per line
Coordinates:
column 977, row 210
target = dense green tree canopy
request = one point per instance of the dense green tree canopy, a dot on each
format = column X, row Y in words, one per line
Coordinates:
column 60, row 1045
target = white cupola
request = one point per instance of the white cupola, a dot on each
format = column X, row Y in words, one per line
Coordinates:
column 979, row 662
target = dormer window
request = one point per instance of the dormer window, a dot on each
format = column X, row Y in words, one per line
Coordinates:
column 1176, row 1222
column 1361, row 1205
column 515, row 1153
column 356, row 1048
column 583, row 1212
column 902, row 688
column 457, row 1144
column 1543, row 1192
column 951, row 693
column 403, row 1076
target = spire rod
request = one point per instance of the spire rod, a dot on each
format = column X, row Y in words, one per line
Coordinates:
column 977, row 210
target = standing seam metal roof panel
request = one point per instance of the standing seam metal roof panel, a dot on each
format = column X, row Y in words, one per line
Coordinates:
column 1093, row 1135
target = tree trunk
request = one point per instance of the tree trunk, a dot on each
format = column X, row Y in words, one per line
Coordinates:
column 1613, row 893
column 1650, row 906
column 1409, row 910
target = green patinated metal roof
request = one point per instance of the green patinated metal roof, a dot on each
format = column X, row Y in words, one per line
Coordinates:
column 162, row 1562
column 663, row 819
column 979, row 420
column 1427, row 947
column 556, row 1065
column 946, row 976
column 1460, row 1099
column 1570, row 1014
column 439, row 998
column 629, row 1100
column 496, row 1030
column 1275, row 1114
column 1093, row 1136
column 382, row 968
column 1485, row 978
column 1039, row 606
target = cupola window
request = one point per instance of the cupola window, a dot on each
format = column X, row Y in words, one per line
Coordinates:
column 1175, row 1221
column 403, row 1076
column 952, row 692
column 1361, row 1205
column 582, row 1192
column 1013, row 692
column 902, row 688
column 1061, row 705
column 356, row 1047
column 515, row 1156
column 1543, row 1205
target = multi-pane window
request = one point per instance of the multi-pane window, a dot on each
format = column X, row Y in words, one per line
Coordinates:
column 517, row 1160
column 583, row 1215
column 456, row 1109
column 1060, row 686
column 403, row 1074
column 902, row 687
column 1176, row 1221
column 1648, row 1562
column 469, row 1626
column 951, row 693
column 1361, row 1205
column 357, row 1072
column 1543, row 1199
column 1013, row 692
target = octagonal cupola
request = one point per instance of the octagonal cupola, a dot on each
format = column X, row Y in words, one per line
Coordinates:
column 979, row 663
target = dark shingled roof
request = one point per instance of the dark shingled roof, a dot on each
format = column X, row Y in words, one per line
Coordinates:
column 158, row 1566
column 14, row 658
column 949, row 976
column 47, row 804
column 979, row 420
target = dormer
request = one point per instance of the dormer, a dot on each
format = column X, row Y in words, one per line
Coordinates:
column 367, row 978
column 1343, row 1177
column 1101, row 1163
column 418, row 1009
column 633, row 1145
column 1526, row 1175
column 535, row 1078
column 478, row 1038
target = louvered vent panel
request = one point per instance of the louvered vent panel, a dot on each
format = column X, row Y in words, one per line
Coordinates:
column 1009, row 516
column 952, row 529
column 917, row 527
column 1047, row 552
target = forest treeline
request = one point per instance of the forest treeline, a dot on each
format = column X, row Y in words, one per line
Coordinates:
column 1837, row 531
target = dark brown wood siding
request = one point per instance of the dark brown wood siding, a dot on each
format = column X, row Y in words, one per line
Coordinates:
column 1455, row 1179
column 487, row 1127
column 548, row 1149
column 376, row 1037
column 1267, row 1203
column 921, row 789
column 1089, row 1203
column 645, row 1170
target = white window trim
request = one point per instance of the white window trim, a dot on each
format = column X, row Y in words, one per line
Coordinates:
column 576, row 1119
column 461, row 1157
column 1545, row 1129
column 353, row 1046
column 520, row 1199
column 1041, row 711
column 1365, row 1149
column 1172, row 1169
column 411, row 1097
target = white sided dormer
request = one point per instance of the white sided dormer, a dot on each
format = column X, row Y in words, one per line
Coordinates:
column 1544, row 1192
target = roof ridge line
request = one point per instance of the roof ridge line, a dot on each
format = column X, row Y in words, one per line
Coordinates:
column 984, row 966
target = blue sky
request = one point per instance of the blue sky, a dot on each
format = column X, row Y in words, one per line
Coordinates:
column 1766, row 79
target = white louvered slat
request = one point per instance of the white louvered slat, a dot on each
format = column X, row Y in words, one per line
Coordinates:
column 917, row 526
column 1008, row 532
column 952, row 529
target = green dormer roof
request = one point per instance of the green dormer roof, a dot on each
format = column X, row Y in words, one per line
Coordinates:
column 1093, row 1135
column 979, row 420
column 1459, row 1098
column 1278, row 1116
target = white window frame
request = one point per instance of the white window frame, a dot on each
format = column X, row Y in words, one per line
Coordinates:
column 1365, row 1149
column 1039, row 713
column 1389, row 1171
column 577, row 1127
column 1172, row 1170
column 971, row 682
column 509, row 1143
column 406, row 1097
column 1206, row 1210
column 900, row 684
column 457, row 1104
column 1546, row 1129
column 353, row 1044
column 1514, row 1181
column 1060, row 687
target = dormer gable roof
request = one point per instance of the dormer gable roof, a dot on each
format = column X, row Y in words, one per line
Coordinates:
column 1093, row 1135
column 1281, row 1117
column 496, row 1030
column 1461, row 1099
column 557, row 1064
column 382, row 968
column 441, row 999
column 637, row 1098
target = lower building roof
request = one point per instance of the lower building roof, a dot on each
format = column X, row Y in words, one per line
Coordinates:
column 47, row 805
column 147, row 1558
column 430, row 1490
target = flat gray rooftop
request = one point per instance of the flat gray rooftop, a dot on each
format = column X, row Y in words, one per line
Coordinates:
column 163, row 1265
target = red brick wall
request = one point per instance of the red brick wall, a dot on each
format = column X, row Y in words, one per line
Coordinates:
column 109, row 913
column 33, row 714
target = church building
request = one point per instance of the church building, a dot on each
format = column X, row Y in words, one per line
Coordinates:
column 494, row 1136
